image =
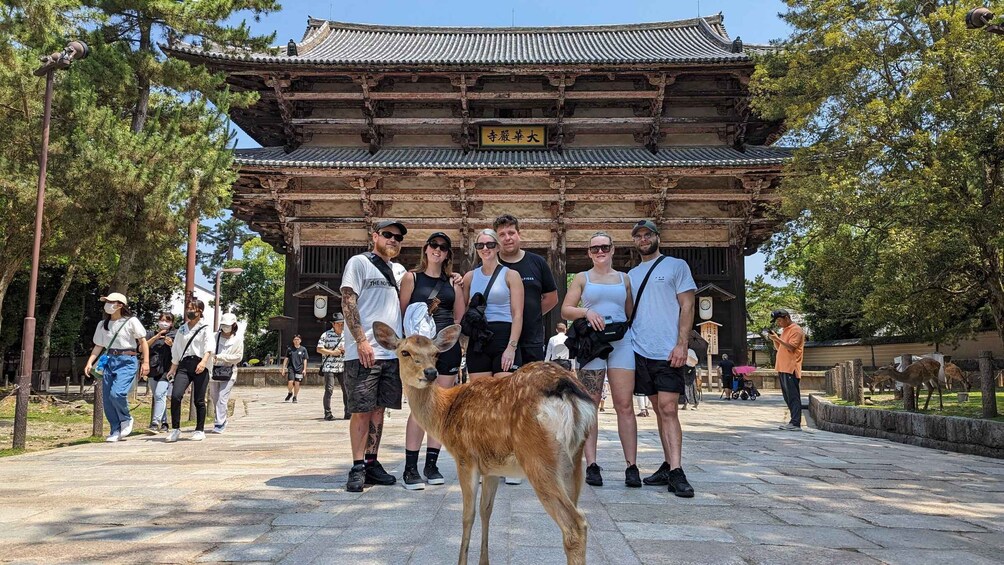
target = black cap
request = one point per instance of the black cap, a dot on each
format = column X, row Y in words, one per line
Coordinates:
column 647, row 224
column 442, row 235
column 389, row 223
column 781, row 313
column 337, row 317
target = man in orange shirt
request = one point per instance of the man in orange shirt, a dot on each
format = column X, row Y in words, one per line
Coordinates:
column 790, row 345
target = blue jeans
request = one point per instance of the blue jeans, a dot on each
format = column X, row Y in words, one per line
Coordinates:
column 115, row 386
column 160, row 391
column 792, row 397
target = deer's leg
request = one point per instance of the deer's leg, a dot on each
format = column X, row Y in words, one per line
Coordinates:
column 941, row 401
column 574, row 487
column 467, row 475
column 489, row 486
column 546, row 478
column 930, row 391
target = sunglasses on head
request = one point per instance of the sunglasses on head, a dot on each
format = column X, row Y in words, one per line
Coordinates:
column 437, row 245
column 599, row 248
column 392, row 235
column 489, row 245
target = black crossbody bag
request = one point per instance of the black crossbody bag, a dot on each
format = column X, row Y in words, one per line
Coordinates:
column 641, row 289
column 224, row 373
column 475, row 317
column 386, row 271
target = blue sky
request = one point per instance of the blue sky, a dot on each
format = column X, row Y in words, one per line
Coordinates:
column 755, row 21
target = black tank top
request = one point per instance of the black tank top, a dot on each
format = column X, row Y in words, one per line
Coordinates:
column 424, row 285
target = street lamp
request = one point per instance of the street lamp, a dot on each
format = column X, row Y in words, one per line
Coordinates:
column 74, row 51
column 216, row 311
column 981, row 17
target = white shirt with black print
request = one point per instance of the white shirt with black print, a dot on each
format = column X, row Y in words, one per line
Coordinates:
column 332, row 363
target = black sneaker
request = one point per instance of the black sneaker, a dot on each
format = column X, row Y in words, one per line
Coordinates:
column 412, row 480
column 329, row 416
column 288, row 396
column 376, row 475
column 294, row 400
column 593, row 477
column 432, row 474
column 660, row 477
column 357, row 477
column 678, row 484
column 631, row 477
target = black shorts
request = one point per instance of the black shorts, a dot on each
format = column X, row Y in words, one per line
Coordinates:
column 655, row 375
column 531, row 353
column 489, row 359
column 448, row 362
column 376, row 387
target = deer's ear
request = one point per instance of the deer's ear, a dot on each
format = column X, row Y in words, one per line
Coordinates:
column 385, row 336
column 446, row 339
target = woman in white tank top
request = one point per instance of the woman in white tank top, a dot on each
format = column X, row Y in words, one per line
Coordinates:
column 602, row 295
column 504, row 310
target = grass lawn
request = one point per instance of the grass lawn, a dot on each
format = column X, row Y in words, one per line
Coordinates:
column 971, row 409
column 57, row 423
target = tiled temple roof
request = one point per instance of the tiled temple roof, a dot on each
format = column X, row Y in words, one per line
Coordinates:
column 455, row 158
column 697, row 40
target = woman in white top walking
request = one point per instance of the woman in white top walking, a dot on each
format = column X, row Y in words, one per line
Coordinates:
column 504, row 311
column 118, row 333
column 190, row 356
column 228, row 351
column 602, row 296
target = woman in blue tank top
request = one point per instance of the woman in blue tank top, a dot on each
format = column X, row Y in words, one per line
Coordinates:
column 504, row 310
column 602, row 296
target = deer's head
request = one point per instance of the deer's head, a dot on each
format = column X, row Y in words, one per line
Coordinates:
column 416, row 354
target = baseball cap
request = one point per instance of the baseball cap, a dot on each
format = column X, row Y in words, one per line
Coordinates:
column 648, row 224
column 780, row 313
column 114, row 297
column 228, row 319
column 440, row 235
column 337, row 317
column 389, row 223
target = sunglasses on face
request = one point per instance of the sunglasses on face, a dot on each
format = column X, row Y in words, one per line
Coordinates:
column 599, row 248
column 490, row 245
column 391, row 235
column 436, row 245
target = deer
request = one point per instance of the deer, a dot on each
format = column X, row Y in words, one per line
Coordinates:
column 922, row 372
column 532, row 423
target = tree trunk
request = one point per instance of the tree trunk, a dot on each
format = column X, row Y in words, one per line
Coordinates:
column 53, row 312
column 987, row 385
column 142, row 80
column 6, row 278
column 123, row 274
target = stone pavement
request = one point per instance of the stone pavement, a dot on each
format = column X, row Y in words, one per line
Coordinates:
column 272, row 490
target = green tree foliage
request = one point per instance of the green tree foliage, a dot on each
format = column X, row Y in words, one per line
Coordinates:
column 897, row 192
column 762, row 298
column 224, row 238
column 256, row 294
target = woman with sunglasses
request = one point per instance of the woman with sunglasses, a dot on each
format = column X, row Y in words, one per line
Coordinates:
column 504, row 310
column 602, row 296
column 431, row 283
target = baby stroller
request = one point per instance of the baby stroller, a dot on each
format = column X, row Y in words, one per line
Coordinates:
column 743, row 388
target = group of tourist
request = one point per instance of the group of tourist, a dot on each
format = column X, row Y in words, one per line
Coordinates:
column 172, row 359
column 628, row 330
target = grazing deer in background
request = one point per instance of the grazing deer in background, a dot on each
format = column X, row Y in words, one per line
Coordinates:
column 532, row 423
column 922, row 372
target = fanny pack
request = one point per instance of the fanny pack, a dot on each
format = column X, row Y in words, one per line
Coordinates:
column 226, row 372
column 612, row 332
column 99, row 367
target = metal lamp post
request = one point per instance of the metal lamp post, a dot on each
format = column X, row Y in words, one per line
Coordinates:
column 74, row 51
column 216, row 311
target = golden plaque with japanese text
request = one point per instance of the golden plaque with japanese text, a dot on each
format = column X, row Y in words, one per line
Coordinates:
column 513, row 136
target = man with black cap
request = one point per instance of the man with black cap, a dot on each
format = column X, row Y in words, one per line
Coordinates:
column 370, row 286
column 332, row 349
column 663, row 290
column 788, row 364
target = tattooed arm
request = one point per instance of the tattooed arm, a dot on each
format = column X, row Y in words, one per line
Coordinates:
column 350, row 310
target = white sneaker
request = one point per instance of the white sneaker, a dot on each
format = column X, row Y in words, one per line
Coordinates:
column 173, row 436
column 513, row 481
column 112, row 438
column 198, row 436
column 126, row 429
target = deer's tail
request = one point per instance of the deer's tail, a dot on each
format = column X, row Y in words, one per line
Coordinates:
column 568, row 411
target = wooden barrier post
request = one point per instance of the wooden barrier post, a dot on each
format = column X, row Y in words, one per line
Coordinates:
column 98, row 418
column 842, row 371
column 829, row 382
column 909, row 398
column 987, row 385
column 859, row 381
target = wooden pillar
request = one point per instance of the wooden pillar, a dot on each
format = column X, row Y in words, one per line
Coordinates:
column 557, row 261
column 290, row 303
column 737, row 268
column 987, row 385
column 909, row 398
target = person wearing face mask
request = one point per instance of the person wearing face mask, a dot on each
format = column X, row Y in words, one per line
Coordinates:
column 190, row 356
column 160, row 364
column 227, row 353
column 118, row 334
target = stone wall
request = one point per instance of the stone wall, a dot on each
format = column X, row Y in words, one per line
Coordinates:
column 948, row 433
column 270, row 376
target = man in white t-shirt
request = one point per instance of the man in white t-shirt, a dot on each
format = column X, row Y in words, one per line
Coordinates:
column 662, row 322
column 369, row 289
column 557, row 351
